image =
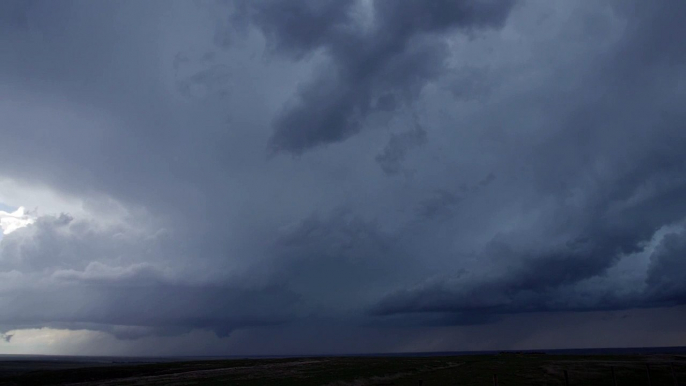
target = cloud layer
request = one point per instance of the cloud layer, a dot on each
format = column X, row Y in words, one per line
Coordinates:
column 303, row 167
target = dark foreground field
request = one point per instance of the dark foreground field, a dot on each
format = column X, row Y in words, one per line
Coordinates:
column 511, row 369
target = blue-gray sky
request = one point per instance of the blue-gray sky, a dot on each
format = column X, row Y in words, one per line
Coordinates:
column 310, row 176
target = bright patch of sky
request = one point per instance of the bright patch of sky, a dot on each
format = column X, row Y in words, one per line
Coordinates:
column 11, row 221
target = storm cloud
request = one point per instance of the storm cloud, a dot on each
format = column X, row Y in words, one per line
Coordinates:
column 344, row 175
column 371, row 67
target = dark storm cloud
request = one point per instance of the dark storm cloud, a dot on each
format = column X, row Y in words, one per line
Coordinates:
column 547, row 174
column 620, row 219
column 632, row 190
column 372, row 68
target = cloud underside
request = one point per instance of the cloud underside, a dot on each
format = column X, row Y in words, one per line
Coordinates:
column 368, row 163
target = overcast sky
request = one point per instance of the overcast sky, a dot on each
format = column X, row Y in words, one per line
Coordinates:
column 329, row 176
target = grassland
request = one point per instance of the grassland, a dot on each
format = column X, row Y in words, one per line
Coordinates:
column 510, row 368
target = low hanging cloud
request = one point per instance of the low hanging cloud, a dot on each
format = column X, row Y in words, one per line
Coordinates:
column 124, row 281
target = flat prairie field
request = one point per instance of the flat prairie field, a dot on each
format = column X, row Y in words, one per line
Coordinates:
column 501, row 369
